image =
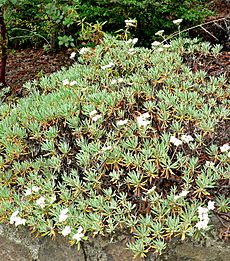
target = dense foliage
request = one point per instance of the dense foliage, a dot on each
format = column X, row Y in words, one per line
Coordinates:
column 70, row 23
column 127, row 139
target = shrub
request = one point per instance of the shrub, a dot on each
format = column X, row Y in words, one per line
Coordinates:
column 69, row 23
column 126, row 140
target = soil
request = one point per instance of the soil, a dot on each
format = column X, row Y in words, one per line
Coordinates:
column 28, row 64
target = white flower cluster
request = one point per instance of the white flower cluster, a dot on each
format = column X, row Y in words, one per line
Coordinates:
column 94, row 115
column 78, row 236
column 132, row 41
column 225, row 148
column 63, row 215
column 203, row 215
column 184, row 193
column 16, row 219
column 66, row 82
column 84, row 50
column 107, row 66
column 177, row 21
column 121, row 122
column 159, row 33
column 29, row 191
column 41, row 202
column 178, row 142
column 72, row 55
column 119, row 80
column 142, row 120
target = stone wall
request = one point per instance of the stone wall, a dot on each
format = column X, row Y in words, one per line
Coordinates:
column 18, row 244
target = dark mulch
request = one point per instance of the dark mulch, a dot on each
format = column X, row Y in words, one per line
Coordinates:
column 28, row 64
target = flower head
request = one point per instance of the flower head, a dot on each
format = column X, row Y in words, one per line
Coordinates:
column 73, row 83
column 142, row 120
column 211, row 205
column 202, row 224
column 175, row 141
column 96, row 117
column 41, row 202
column 73, row 54
column 224, row 148
column 28, row 192
column 92, row 113
column 65, row 82
column 121, row 122
column 107, row 66
column 177, row 21
column 63, row 215
column 160, row 33
column 17, row 220
column 83, row 50
column 79, row 235
column 155, row 43
column 187, row 138
column 66, row 231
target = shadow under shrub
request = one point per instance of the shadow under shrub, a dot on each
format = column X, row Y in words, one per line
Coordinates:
column 125, row 140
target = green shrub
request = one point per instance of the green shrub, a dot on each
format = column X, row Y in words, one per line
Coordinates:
column 70, row 23
column 127, row 139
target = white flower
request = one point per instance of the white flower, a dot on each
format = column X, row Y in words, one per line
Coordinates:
column 73, row 83
column 121, row 122
column 66, row 231
column 184, row 193
column 167, row 45
column 160, row 49
column 84, row 50
column 229, row 154
column 131, row 51
column 175, row 141
column 177, row 21
column 28, row 192
column 202, row 224
column 141, row 120
column 135, row 40
column 203, row 213
column 13, row 216
column 92, row 113
column 72, row 55
column 211, row 205
column 224, row 148
column 107, row 66
column 35, row 189
column 155, row 43
column 187, row 138
column 41, row 202
column 113, row 81
column 107, row 148
column 79, row 235
column 160, row 33
column 65, row 82
column 120, row 80
column 63, row 215
column 145, row 115
column 96, row 117
column 209, row 164
column 17, row 220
